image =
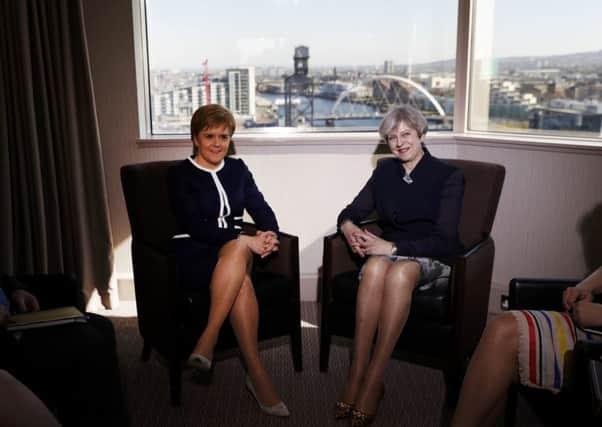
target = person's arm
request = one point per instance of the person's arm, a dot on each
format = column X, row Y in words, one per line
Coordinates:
column 361, row 206
column 593, row 282
column 266, row 240
column 349, row 218
column 185, row 205
column 578, row 300
column 443, row 241
column 584, row 290
column 255, row 204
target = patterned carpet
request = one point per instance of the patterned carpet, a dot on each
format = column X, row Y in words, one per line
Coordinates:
column 414, row 394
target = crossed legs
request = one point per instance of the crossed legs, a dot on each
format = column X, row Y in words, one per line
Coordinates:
column 383, row 304
column 492, row 369
column 232, row 296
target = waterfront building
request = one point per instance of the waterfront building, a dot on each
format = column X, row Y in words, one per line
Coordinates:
column 240, row 94
column 162, row 104
column 217, row 90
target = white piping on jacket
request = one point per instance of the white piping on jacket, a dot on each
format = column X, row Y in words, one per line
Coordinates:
column 224, row 203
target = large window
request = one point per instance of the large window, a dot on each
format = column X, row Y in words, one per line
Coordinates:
column 536, row 67
column 304, row 64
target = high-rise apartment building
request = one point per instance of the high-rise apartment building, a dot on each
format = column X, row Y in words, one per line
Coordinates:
column 389, row 67
column 217, row 91
column 240, row 93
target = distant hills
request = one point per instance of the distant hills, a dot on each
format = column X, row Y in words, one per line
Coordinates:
column 583, row 61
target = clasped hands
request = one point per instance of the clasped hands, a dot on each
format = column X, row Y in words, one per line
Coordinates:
column 263, row 243
column 363, row 242
column 579, row 303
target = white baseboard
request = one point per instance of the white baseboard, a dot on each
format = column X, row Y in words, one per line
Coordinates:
column 495, row 295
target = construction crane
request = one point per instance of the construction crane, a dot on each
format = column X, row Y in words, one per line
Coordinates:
column 206, row 78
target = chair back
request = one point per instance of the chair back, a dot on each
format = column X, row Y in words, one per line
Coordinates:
column 483, row 187
column 147, row 201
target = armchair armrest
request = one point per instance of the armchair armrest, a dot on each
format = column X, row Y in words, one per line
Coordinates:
column 590, row 349
column 54, row 290
column 537, row 294
column 285, row 261
column 156, row 303
column 470, row 287
column 338, row 258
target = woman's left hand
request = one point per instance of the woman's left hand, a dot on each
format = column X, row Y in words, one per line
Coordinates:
column 587, row 314
column 371, row 244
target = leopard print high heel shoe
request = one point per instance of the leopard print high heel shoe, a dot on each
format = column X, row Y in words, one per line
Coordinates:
column 342, row 410
column 361, row 419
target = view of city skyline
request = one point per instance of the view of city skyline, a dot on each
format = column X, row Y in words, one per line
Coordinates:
column 298, row 66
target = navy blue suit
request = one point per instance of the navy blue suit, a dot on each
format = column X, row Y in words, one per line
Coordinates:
column 209, row 206
column 421, row 218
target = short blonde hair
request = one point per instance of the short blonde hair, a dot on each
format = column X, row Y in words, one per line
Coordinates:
column 403, row 113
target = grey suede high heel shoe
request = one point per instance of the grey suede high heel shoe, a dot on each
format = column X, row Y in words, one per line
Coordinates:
column 199, row 362
column 278, row 410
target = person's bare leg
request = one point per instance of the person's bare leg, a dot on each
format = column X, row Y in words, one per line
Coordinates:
column 20, row 407
column 490, row 373
column 226, row 281
column 368, row 306
column 399, row 284
column 244, row 318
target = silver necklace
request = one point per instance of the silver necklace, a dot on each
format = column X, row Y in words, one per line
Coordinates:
column 407, row 179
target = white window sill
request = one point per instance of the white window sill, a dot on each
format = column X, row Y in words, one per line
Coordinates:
column 280, row 138
column 528, row 142
column 284, row 137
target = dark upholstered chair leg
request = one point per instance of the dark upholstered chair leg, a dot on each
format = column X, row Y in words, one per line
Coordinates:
column 453, row 382
column 296, row 348
column 146, row 351
column 175, row 383
column 324, row 351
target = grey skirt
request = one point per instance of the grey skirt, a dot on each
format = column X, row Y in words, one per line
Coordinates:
column 431, row 270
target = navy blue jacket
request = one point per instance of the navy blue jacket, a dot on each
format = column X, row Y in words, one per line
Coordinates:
column 421, row 218
column 209, row 205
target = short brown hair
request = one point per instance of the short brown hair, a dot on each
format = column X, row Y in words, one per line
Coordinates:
column 210, row 116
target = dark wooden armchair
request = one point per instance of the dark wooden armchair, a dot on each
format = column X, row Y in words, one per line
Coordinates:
column 446, row 320
column 170, row 318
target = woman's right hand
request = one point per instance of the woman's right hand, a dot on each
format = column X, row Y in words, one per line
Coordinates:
column 352, row 234
column 574, row 294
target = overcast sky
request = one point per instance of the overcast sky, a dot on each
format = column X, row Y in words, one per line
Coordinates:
column 183, row 33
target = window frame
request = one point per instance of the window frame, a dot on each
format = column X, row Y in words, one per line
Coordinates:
column 295, row 136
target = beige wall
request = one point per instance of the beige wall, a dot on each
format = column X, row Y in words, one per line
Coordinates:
column 550, row 196
column 549, row 222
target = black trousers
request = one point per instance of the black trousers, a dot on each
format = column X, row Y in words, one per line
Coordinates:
column 73, row 369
